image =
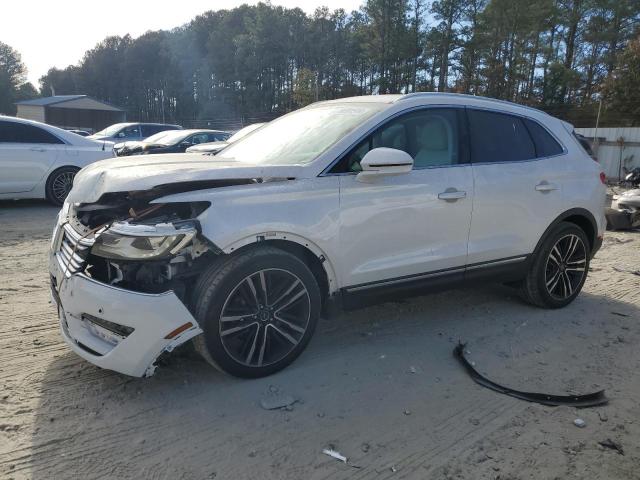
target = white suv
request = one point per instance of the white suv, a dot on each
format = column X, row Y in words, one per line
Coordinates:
column 337, row 203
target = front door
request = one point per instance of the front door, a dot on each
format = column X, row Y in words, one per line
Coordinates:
column 396, row 229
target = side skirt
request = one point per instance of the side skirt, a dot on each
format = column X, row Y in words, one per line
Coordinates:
column 504, row 270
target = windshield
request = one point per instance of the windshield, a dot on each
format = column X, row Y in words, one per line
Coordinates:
column 111, row 130
column 298, row 138
column 243, row 132
column 168, row 137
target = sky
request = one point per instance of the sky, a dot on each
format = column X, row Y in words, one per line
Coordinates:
column 56, row 33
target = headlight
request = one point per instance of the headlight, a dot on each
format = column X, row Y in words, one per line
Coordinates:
column 123, row 241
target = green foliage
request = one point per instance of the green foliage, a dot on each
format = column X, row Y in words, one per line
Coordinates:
column 13, row 84
column 264, row 60
column 621, row 89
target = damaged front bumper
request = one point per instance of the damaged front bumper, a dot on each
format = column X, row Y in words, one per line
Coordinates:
column 114, row 328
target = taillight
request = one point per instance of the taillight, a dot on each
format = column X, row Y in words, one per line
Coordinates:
column 603, row 178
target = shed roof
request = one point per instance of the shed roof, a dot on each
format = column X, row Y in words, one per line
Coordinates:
column 58, row 99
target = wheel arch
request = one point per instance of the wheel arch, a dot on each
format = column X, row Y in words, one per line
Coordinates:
column 578, row 216
column 302, row 248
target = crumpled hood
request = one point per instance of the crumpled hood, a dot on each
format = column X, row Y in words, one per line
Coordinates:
column 124, row 174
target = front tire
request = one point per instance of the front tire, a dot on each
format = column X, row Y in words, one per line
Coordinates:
column 559, row 269
column 59, row 184
column 258, row 311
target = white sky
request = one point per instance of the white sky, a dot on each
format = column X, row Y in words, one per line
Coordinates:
column 50, row 33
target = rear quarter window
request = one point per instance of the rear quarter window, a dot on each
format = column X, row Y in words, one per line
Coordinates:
column 546, row 145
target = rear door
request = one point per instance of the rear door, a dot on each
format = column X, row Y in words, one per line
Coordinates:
column 27, row 153
column 404, row 228
column 518, row 169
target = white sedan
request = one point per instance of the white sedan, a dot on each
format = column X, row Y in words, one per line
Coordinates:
column 40, row 161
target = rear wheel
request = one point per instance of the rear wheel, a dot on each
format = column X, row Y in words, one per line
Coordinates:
column 559, row 269
column 59, row 184
column 258, row 311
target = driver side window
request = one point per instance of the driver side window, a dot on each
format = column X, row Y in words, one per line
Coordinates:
column 132, row 131
column 430, row 136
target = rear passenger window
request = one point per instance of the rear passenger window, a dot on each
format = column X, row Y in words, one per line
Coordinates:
column 10, row 132
column 33, row 134
column 546, row 145
column 498, row 137
column 14, row 132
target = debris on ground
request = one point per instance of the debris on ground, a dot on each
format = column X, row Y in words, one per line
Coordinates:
column 277, row 402
column 613, row 445
column 626, row 270
column 337, row 455
column 580, row 423
column 330, row 450
column 588, row 400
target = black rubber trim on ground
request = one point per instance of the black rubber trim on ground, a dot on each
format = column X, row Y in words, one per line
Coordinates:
column 588, row 400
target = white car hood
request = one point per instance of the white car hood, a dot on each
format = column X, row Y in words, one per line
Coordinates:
column 125, row 174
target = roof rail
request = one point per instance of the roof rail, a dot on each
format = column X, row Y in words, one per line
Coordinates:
column 409, row 96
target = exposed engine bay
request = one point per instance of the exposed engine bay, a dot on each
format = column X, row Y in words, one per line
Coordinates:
column 135, row 242
column 143, row 246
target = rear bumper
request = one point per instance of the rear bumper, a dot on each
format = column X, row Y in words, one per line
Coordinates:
column 151, row 316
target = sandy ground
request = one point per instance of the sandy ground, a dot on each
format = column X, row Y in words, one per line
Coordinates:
column 379, row 385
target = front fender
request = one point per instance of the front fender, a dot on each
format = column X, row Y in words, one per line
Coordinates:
column 304, row 211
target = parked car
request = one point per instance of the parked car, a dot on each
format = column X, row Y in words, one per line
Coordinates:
column 82, row 133
column 214, row 147
column 176, row 141
column 40, row 161
column 340, row 203
column 121, row 132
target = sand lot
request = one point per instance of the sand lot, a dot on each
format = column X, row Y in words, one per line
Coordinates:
column 380, row 385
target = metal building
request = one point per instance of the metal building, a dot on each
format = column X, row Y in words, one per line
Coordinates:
column 617, row 149
column 71, row 111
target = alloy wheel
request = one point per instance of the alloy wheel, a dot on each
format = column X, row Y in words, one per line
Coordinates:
column 264, row 317
column 565, row 267
column 61, row 185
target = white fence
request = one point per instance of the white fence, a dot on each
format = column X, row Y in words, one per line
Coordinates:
column 617, row 149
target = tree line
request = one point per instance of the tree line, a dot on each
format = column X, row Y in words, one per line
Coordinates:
column 563, row 56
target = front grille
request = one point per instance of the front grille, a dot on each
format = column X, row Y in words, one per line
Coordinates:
column 73, row 250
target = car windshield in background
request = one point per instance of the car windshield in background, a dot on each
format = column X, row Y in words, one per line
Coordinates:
column 298, row 138
column 243, row 132
column 110, row 131
column 169, row 137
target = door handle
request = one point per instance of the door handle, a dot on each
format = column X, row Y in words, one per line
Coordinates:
column 37, row 149
column 545, row 186
column 452, row 195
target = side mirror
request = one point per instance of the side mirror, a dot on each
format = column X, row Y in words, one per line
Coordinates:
column 383, row 161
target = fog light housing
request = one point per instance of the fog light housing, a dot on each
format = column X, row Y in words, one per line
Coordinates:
column 110, row 332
